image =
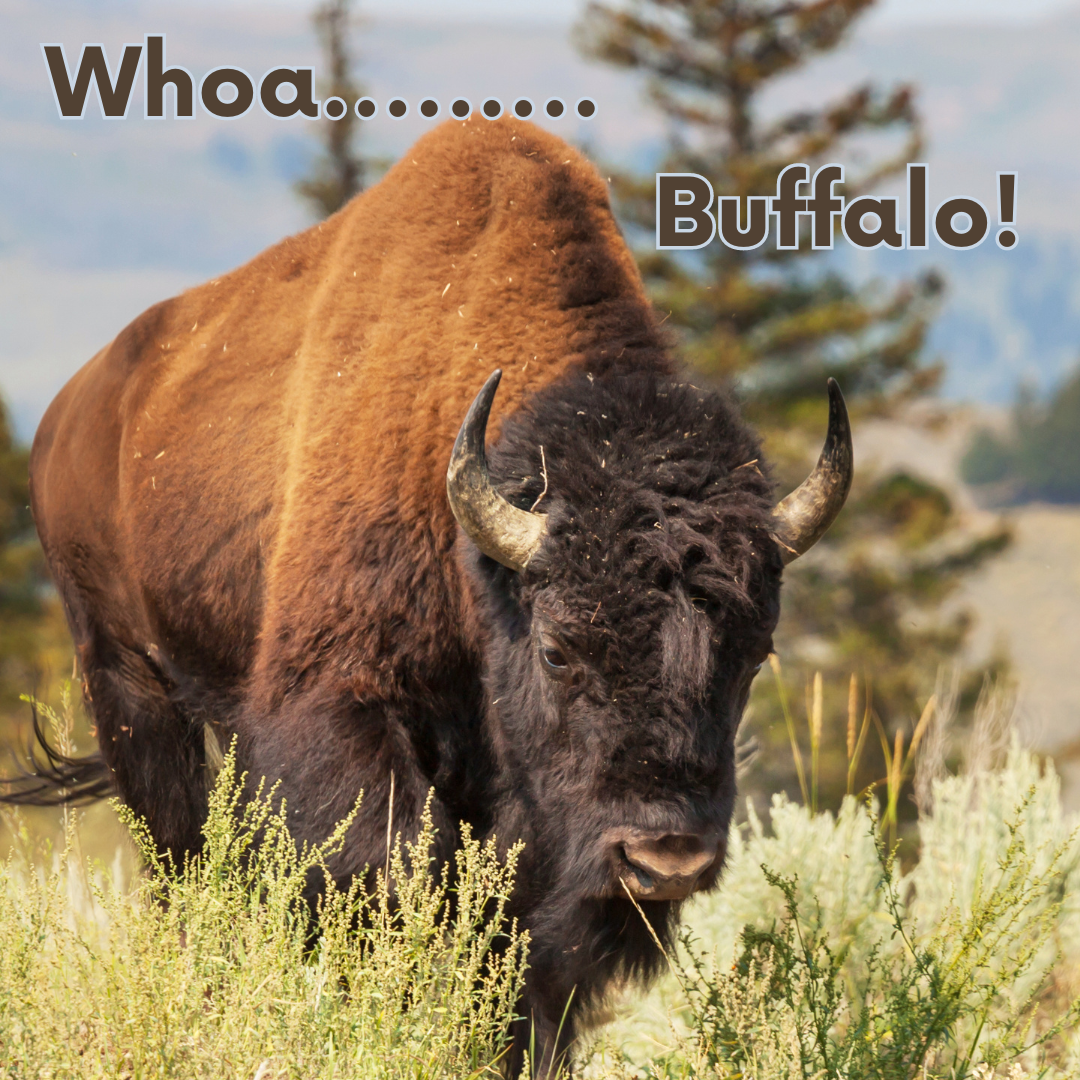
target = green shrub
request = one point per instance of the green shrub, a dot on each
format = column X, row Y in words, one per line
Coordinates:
column 818, row 958
column 845, row 968
column 987, row 460
column 218, row 970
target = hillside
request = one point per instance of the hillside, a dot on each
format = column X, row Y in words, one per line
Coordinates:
column 1026, row 601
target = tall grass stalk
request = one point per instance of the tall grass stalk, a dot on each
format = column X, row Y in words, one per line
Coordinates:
column 855, row 744
column 789, row 721
column 814, row 713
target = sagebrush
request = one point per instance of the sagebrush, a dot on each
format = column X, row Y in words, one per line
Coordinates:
column 221, row 968
column 818, row 958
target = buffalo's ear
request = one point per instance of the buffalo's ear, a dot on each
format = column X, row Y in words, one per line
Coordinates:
column 801, row 518
column 500, row 530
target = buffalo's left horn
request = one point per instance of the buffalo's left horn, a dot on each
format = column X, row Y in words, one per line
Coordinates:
column 502, row 531
column 801, row 518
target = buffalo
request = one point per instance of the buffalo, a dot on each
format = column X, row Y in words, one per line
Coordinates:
column 289, row 507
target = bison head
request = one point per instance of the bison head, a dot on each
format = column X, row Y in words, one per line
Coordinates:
column 628, row 555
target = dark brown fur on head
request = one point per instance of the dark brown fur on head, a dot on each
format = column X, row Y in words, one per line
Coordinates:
column 660, row 582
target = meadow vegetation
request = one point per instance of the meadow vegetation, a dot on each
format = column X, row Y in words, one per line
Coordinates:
column 220, row 968
column 821, row 956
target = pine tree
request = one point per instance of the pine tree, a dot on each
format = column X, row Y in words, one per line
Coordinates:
column 340, row 172
column 778, row 323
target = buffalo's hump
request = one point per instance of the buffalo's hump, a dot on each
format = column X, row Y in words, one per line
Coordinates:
column 252, row 473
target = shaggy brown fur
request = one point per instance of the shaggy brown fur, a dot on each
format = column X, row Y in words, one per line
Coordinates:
column 242, row 499
column 223, row 469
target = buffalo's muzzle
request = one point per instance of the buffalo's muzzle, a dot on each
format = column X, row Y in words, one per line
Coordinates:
column 663, row 866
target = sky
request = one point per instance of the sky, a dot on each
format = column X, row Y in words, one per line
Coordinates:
column 100, row 219
column 890, row 12
column 916, row 12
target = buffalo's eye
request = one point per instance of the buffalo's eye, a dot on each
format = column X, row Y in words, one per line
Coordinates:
column 553, row 657
column 557, row 660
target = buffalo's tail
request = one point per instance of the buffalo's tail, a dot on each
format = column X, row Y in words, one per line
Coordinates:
column 52, row 778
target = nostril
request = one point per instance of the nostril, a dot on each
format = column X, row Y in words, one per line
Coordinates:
column 644, row 878
column 673, row 857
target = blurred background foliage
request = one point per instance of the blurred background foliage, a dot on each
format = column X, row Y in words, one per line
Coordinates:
column 1037, row 458
column 34, row 642
column 339, row 172
column 36, row 652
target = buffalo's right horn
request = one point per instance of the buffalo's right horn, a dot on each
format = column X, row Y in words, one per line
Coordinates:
column 801, row 518
column 502, row 531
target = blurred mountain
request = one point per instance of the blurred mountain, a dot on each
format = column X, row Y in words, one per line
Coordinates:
column 100, row 218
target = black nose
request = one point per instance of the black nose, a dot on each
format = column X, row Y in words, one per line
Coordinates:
column 663, row 866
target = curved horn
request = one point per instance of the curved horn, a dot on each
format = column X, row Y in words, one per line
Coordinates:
column 803, row 516
column 502, row 531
